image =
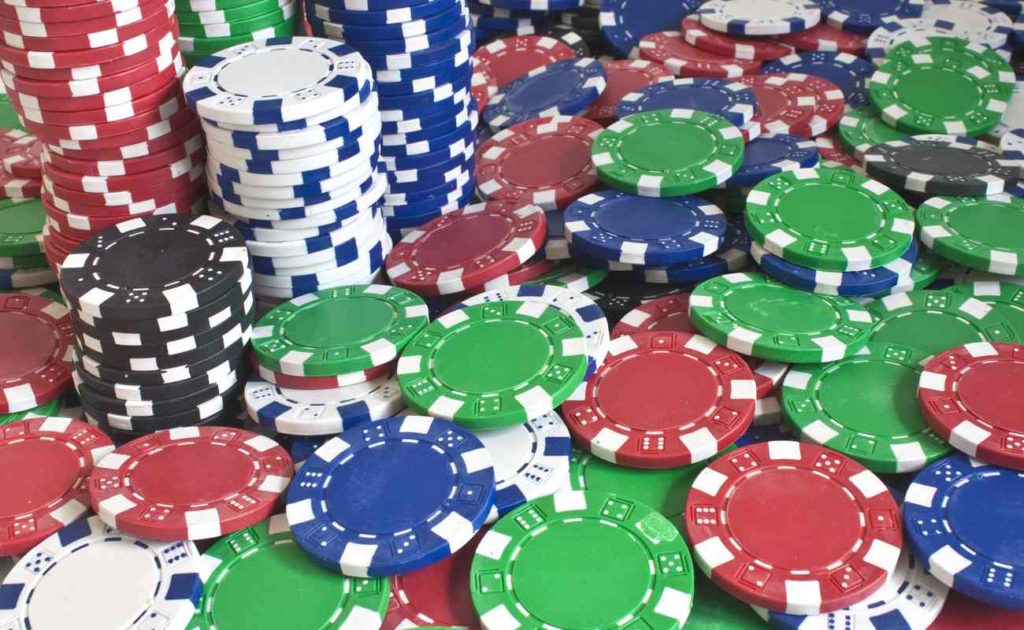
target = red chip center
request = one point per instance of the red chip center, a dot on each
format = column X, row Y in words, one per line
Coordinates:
column 657, row 391
column 54, row 468
column 459, row 242
column 794, row 519
column 546, row 161
column 192, row 473
column 28, row 344
column 991, row 391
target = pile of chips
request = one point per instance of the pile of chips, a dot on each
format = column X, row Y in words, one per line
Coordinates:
column 206, row 27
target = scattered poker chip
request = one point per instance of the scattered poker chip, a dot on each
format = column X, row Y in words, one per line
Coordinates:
column 934, row 321
column 955, row 516
column 941, row 165
column 863, row 406
column 673, row 429
column 854, row 529
column 61, row 450
column 787, row 104
column 582, row 309
column 704, row 38
column 544, row 161
column 768, row 155
column 512, row 57
column 1001, row 292
column 850, row 73
column 321, row 411
column 292, row 338
column 910, row 597
column 644, row 230
column 833, row 156
column 974, row 22
column 319, row 382
column 616, row 296
column 861, row 129
column 977, row 84
column 194, row 477
column 964, row 395
column 21, row 158
column 826, row 38
column 668, row 313
column 733, row 256
column 465, row 248
column 865, row 17
column 775, row 205
column 305, row 595
column 37, row 364
column 564, row 87
column 762, row 17
column 624, row 22
column 528, row 344
column 810, row 329
column 630, row 154
column 623, row 76
column 731, row 100
column 648, row 578
column 976, row 232
column 896, row 32
column 453, row 483
column 21, row 225
column 961, row 611
column 161, row 580
column 682, row 59
column 573, row 276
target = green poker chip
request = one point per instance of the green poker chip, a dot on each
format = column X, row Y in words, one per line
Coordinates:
column 923, row 273
column 573, row 276
column 583, row 560
column 1005, row 295
column 8, row 117
column 935, row 321
column 338, row 331
column 209, row 45
column 865, row 406
column 227, row 16
column 985, row 233
column 260, row 578
column 861, row 129
column 755, row 316
column 205, row 6
column 947, row 86
column 49, row 294
column 668, row 152
column 32, row 261
column 239, row 27
column 21, row 227
column 493, row 365
column 48, row 410
column 829, row 219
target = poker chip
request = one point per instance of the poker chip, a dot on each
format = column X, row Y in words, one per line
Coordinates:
column 827, row 38
column 319, row 382
column 573, row 276
column 786, row 104
column 531, row 341
column 623, row 76
column 668, row 313
column 673, row 429
column 974, row 22
column 772, row 154
column 951, row 504
column 779, row 477
column 696, row 34
column 833, row 156
column 565, row 528
column 851, row 74
column 940, row 165
column 670, row 49
column 961, row 230
column 629, row 154
column 564, row 87
column 37, row 365
column 933, row 322
column 512, row 57
column 761, row 17
column 896, row 32
column 161, row 580
column 824, row 329
column 1000, row 292
column 861, row 17
column 730, row 100
column 544, row 161
column 860, row 129
column 624, row 22
column 453, row 475
column 979, row 80
column 888, row 235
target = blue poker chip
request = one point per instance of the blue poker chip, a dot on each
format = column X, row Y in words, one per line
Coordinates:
column 371, row 17
column 440, row 142
column 733, row 256
column 231, row 191
column 479, row 8
column 349, row 127
column 303, row 447
column 339, row 141
column 457, row 149
column 414, row 181
column 533, row 5
column 624, row 22
column 866, row 283
column 507, row 23
column 864, row 16
column 645, row 231
column 421, row 210
column 469, row 115
column 565, row 87
column 731, row 100
column 412, row 202
column 461, row 75
column 765, row 156
column 849, row 73
column 391, row 496
column 555, row 246
column 365, row 93
column 962, row 518
column 340, row 154
column 464, row 41
column 449, row 12
column 351, row 272
column 419, row 122
column 430, row 70
column 341, row 254
column 447, row 96
column 399, row 45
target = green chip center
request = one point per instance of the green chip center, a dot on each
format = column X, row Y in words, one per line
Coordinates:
column 340, row 322
column 942, row 93
column 875, row 398
column 830, row 212
column 995, row 225
column 774, row 307
column 612, row 584
column 930, row 332
column 492, row 356
column 667, row 146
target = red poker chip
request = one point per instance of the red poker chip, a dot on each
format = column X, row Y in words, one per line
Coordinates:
column 53, row 457
column 970, row 396
column 178, row 172
column 511, row 57
column 132, row 166
column 86, row 88
column 65, row 112
column 78, row 42
column 963, row 613
column 10, row 136
column 54, row 255
column 35, row 366
column 60, row 11
column 183, row 199
column 438, row 595
column 319, row 382
column 670, row 313
column 192, row 483
column 88, row 56
column 526, row 272
column 22, row 157
column 12, row 187
column 484, row 85
column 685, row 60
column 467, row 247
column 831, row 151
column 544, row 161
column 833, row 533
column 66, row 241
column 29, row 24
column 51, row 133
column 827, row 38
column 662, row 400
column 83, row 225
column 829, row 105
column 157, row 189
column 624, row 76
column 783, row 103
column 763, row 48
column 156, row 137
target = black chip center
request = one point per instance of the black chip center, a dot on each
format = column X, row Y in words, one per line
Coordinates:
column 154, row 258
column 938, row 160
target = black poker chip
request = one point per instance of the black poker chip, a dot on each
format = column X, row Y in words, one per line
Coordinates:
column 135, row 346
column 232, row 367
column 567, row 35
column 228, row 417
column 156, row 409
column 217, row 406
column 131, row 359
column 193, row 370
column 617, row 296
column 940, row 165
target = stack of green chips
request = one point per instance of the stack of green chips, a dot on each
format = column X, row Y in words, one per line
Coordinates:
column 209, row 26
